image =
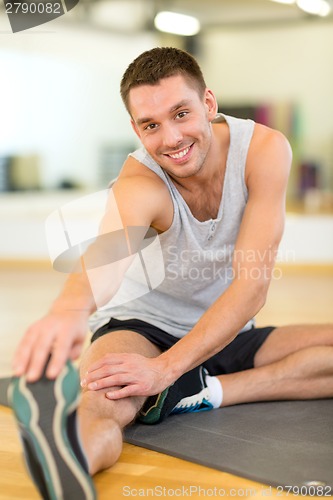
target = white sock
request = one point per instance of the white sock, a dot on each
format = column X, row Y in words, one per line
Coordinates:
column 216, row 391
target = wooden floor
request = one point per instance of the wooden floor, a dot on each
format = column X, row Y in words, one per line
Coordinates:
column 26, row 294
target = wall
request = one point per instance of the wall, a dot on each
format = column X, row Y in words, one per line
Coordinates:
column 59, row 90
column 59, row 97
column 307, row 239
column 279, row 64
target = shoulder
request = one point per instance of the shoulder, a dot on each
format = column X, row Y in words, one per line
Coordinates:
column 268, row 139
column 142, row 196
column 268, row 143
column 138, row 180
column 269, row 154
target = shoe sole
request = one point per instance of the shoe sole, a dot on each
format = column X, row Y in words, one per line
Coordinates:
column 154, row 406
column 158, row 408
column 42, row 411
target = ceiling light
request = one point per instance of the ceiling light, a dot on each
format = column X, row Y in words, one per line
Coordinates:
column 316, row 7
column 178, row 24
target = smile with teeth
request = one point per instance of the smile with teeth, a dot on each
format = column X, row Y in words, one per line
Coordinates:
column 180, row 154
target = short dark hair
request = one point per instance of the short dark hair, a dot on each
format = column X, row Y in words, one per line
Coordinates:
column 161, row 62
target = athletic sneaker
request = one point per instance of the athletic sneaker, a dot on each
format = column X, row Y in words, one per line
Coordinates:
column 188, row 394
column 46, row 415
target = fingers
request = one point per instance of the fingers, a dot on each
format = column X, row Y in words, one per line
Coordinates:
column 127, row 374
column 108, row 359
column 124, row 383
column 31, row 355
column 116, row 379
column 22, row 355
column 49, row 339
column 112, row 370
column 92, row 377
column 59, row 357
column 124, row 392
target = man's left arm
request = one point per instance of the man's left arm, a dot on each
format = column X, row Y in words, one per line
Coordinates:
column 261, row 229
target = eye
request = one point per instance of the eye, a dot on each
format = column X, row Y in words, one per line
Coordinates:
column 182, row 114
column 151, row 126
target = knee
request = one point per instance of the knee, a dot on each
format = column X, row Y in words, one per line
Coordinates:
column 122, row 411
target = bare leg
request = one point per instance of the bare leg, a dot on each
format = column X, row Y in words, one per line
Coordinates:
column 101, row 420
column 295, row 362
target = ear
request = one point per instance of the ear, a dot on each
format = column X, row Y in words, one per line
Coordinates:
column 135, row 128
column 211, row 103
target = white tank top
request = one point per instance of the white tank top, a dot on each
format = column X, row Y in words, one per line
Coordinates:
column 176, row 279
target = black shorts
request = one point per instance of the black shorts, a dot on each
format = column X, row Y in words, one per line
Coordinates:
column 237, row 356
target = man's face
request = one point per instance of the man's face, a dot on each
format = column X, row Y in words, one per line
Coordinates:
column 173, row 123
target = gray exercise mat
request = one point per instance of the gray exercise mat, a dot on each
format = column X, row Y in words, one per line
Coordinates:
column 4, row 383
column 276, row 443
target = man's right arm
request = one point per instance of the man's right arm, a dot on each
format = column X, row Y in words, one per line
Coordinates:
column 60, row 333
column 140, row 202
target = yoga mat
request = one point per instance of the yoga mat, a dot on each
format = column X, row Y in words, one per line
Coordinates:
column 276, row 443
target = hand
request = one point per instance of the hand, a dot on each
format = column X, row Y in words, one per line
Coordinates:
column 59, row 334
column 135, row 374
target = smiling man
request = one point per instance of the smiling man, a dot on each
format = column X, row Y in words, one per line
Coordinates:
column 213, row 188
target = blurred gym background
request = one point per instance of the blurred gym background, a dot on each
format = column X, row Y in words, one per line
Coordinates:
column 64, row 131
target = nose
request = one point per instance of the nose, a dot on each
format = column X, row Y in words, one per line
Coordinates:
column 172, row 136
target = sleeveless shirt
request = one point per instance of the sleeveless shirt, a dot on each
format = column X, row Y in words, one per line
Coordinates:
column 187, row 267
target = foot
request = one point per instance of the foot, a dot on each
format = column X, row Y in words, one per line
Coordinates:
column 46, row 415
column 188, row 394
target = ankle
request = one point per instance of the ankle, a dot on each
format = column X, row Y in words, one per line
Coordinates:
column 215, row 390
column 102, row 442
